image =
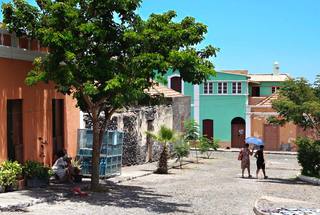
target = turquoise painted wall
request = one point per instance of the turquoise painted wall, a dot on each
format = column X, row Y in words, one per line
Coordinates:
column 266, row 88
column 222, row 109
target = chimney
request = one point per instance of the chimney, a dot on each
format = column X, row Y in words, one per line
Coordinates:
column 276, row 68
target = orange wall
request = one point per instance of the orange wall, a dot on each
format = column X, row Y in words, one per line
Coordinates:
column 288, row 132
column 37, row 111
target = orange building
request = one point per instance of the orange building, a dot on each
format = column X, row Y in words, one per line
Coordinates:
column 35, row 121
column 263, row 90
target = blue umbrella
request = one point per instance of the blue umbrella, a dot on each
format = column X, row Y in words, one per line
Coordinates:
column 254, row 140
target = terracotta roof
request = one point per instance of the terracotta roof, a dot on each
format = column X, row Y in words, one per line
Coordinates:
column 158, row 89
column 268, row 101
column 236, row 72
column 268, row 77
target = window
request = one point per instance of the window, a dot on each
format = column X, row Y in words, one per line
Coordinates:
column 222, row 88
column 236, row 87
column 275, row 89
column 208, row 88
column 176, row 84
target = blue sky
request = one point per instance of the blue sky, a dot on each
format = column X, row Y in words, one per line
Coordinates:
column 252, row 34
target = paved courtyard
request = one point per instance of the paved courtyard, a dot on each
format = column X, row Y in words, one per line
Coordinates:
column 212, row 187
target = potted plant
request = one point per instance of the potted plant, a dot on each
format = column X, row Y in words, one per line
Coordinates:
column 76, row 165
column 9, row 174
column 36, row 174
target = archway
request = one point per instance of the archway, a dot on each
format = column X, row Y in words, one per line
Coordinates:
column 238, row 132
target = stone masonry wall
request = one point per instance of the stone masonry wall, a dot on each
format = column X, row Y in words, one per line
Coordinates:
column 134, row 123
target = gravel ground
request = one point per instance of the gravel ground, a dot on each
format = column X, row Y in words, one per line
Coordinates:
column 212, row 187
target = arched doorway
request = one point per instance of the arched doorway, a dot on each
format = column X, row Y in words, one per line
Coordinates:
column 207, row 128
column 176, row 83
column 238, row 132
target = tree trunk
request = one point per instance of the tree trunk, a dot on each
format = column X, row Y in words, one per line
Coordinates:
column 96, row 145
column 163, row 161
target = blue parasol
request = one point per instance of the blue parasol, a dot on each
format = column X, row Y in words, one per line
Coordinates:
column 254, row 140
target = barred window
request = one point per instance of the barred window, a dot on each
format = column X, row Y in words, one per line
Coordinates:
column 222, row 88
column 236, row 87
column 208, row 88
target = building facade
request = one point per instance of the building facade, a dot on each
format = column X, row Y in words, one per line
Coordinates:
column 234, row 105
column 35, row 121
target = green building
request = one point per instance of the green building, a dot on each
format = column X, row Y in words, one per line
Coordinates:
column 222, row 105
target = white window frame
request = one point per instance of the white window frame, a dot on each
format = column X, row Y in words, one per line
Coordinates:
column 182, row 82
column 222, row 88
column 237, row 87
column 207, row 84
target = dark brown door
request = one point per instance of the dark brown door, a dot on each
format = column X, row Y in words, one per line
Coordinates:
column 271, row 137
column 14, row 130
column 57, row 125
column 255, row 91
column 207, row 128
column 175, row 83
column 238, row 132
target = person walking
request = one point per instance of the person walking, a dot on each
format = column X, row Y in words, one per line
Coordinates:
column 244, row 156
column 260, row 162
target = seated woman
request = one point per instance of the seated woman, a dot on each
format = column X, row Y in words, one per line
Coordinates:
column 62, row 168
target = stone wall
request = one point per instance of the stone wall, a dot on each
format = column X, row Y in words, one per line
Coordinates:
column 138, row 148
column 134, row 123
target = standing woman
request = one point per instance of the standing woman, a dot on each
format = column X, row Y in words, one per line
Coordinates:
column 260, row 162
column 244, row 155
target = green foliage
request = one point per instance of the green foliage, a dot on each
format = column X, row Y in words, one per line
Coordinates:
column 309, row 156
column 105, row 55
column 9, row 173
column 207, row 145
column 161, row 79
column 191, row 130
column 165, row 135
column 298, row 102
column 181, row 150
column 34, row 169
column 75, row 163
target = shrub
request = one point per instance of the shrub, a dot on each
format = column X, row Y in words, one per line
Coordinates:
column 34, row 169
column 309, row 156
column 181, row 150
column 9, row 173
column 206, row 145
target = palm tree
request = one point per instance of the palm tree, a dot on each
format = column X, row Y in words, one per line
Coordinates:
column 164, row 136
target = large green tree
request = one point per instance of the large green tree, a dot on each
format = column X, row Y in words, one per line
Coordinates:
column 299, row 102
column 105, row 55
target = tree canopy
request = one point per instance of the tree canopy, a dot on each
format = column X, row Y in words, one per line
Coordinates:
column 105, row 55
column 298, row 102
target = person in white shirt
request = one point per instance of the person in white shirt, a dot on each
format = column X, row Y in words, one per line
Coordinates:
column 61, row 167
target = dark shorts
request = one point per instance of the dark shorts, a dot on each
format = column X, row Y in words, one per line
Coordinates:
column 261, row 165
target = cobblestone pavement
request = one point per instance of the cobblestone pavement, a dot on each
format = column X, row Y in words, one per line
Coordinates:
column 212, row 187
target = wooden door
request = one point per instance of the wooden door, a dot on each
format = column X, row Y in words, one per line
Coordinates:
column 255, row 91
column 238, row 132
column 175, row 84
column 14, row 130
column 271, row 137
column 57, row 125
column 207, row 128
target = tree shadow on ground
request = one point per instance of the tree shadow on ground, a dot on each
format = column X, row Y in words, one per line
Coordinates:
column 122, row 196
column 293, row 181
